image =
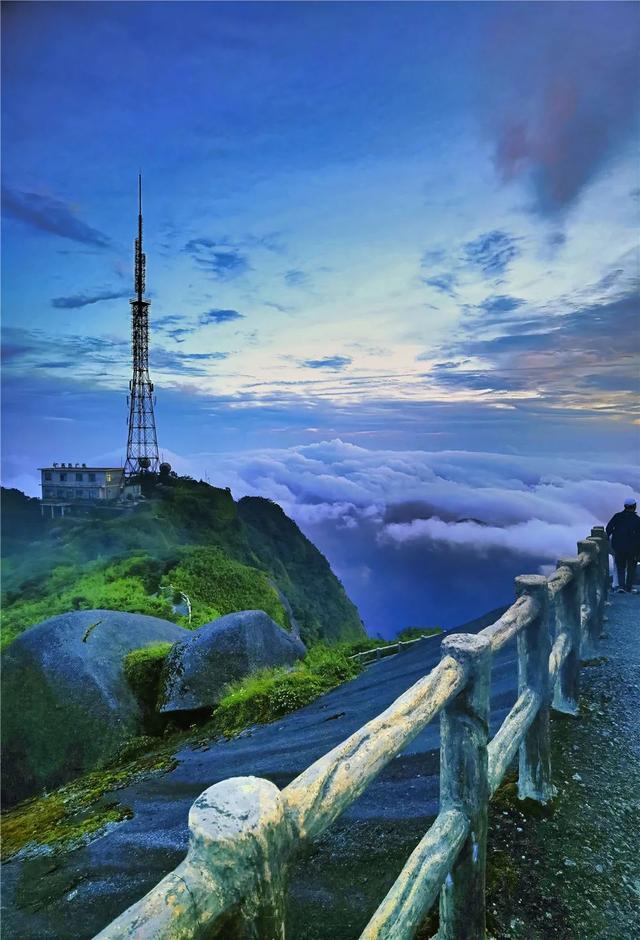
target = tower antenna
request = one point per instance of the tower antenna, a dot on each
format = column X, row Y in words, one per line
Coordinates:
column 142, row 440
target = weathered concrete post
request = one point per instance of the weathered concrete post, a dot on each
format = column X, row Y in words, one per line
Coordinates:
column 566, row 693
column 590, row 607
column 232, row 882
column 240, row 843
column 599, row 532
column 464, row 728
column 534, row 647
column 599, row 537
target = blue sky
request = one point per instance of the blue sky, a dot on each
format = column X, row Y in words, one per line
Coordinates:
column 403, row 226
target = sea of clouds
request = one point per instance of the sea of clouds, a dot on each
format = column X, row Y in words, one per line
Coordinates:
column 420, row 537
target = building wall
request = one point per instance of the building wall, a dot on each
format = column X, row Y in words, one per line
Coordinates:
column 80, row 484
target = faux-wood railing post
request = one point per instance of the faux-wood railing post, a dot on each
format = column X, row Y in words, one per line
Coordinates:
column 534, row 647
column 599, row 533
column 464, row 728
column 599, row 537
column 590, row 608
column 232, row 882
column 240, row 838
column 566, row 694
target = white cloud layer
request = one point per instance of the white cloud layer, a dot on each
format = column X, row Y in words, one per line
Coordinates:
column 531, row 506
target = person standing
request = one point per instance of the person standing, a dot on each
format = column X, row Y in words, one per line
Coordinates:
column 623, row 530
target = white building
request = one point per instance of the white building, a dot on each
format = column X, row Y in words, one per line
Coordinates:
column 69, row 487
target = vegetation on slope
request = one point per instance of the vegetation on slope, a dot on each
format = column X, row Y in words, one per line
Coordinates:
column 272, row 693
column 187, row 537
column 79, row 811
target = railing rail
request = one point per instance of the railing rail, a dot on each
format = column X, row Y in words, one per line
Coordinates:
column 390, row 649
column 245, row 832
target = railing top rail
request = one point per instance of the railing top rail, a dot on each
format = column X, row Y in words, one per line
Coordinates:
column 513, row 620
column 559, row 580
column 323, row 791
column 392, row 646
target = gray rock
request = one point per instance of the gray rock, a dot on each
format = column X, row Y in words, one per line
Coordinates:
column 198, row 668
column 67, row 706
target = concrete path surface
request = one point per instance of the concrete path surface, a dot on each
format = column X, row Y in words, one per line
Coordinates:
column 584, row 857
column 576, row 871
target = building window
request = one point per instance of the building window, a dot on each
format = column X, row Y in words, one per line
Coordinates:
column 49, row 492
column 47, row 474
column 79, row 494
column 62, row 492
column 63, row 477
column 79, row 478
column 108, row 478
column 92, row 478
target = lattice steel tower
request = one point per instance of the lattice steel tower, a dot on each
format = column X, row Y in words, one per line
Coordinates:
column 142, row 441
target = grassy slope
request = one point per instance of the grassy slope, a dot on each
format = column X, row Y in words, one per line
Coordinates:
column 188, row 537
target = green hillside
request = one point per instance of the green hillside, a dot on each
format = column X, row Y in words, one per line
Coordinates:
column 186, row 538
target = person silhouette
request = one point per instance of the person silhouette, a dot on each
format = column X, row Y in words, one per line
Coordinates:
column 623, row 530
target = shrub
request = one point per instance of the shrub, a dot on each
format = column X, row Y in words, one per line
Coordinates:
column 218, row 585
column 143, row 668
column 121, row 585
column 272, row 693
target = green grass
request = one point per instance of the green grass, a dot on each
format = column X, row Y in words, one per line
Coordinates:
column 73, row 813
column 218, row 585
column 187, row 536
column 272, row 693
column 143, row 670
column 128, row 584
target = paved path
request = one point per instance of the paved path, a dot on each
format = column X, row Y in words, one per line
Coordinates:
column 593, row 887
column 579, row 868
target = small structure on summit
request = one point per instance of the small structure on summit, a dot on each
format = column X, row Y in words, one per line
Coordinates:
column 67, row 486
column 71, row 487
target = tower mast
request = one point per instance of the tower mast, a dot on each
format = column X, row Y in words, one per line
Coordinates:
column 142, row 441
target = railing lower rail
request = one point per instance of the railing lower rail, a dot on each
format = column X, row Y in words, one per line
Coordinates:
column 245, row 832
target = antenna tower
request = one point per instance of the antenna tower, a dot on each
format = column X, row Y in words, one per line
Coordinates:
column 142, row 440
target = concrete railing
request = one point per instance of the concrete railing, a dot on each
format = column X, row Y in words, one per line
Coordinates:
column 245, row 832
column 390, row 649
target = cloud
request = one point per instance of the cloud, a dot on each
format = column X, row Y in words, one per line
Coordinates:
column 296, row 278
column 170, row 361
column 217, row 316
column 492, row 252
column 442, row 282
column 442, row 533
column 500, row 304
column 50, row 215
column 475, row 490
column 328, row 362
column 562, row 358
column 432, row 257
column 172, row 319
column 565, row 103
column 27, row 349
column 220, row 260
column 84, row 300
column 179, row 334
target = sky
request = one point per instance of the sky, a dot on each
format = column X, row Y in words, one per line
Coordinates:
column 392, row 258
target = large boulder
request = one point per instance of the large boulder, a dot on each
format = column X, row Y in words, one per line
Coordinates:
column 66, row 704
column 197, row 669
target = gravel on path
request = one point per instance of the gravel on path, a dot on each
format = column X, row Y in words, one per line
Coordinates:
column 573, row 873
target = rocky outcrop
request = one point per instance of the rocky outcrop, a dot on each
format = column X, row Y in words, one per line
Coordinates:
column 66, row 704
column 198, row 668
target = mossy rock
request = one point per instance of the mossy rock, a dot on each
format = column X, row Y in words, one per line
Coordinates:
column 198, row 669
column 67, row 705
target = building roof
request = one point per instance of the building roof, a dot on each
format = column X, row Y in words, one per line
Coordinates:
column 81, row 467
